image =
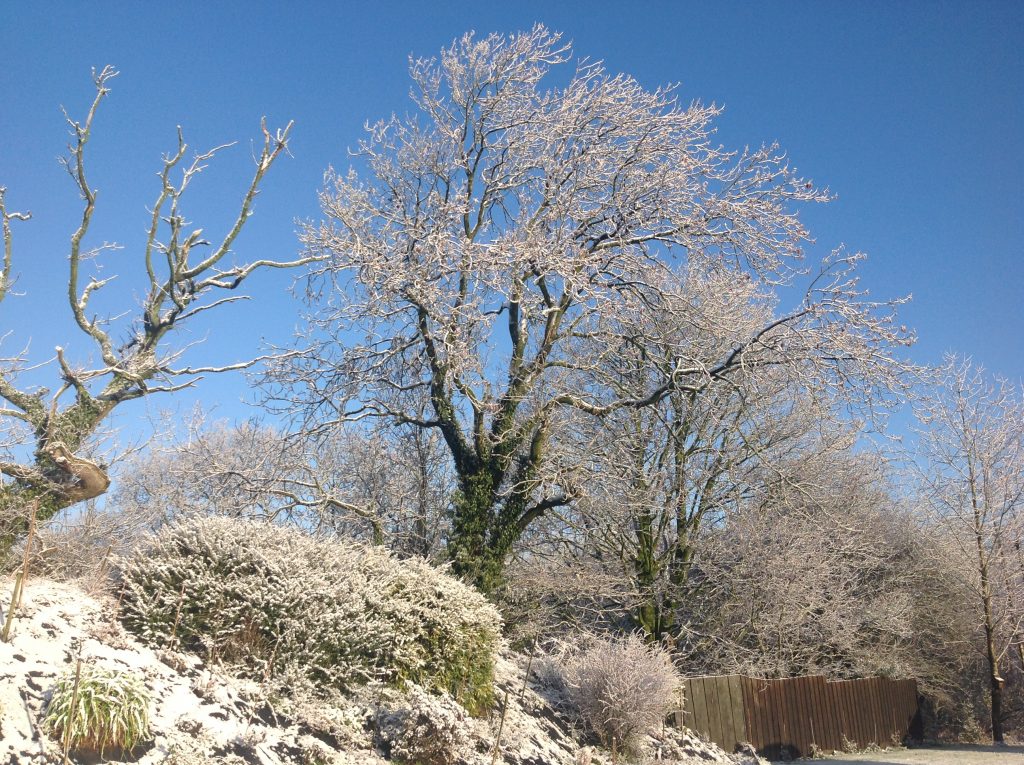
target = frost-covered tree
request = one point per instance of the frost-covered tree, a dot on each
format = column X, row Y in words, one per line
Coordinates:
column 385, row 488
column 499, row 247
column 45, row 434
column 971, row 470
column 673, row 473
column 823, row 569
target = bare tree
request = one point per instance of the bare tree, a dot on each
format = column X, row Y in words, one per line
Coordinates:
column 822, row 569
column 971, row 470
column 365, row 486
column 511, row 238
column 673, row 473
column 47, row 433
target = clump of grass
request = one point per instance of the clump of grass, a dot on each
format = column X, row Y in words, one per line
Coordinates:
column 107, row 710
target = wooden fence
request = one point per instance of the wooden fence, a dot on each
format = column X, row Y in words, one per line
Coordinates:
column 787, row 717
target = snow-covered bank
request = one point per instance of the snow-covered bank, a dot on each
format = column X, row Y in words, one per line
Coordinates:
column 199, row 715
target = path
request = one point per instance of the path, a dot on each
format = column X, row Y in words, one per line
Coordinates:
column 966, row 754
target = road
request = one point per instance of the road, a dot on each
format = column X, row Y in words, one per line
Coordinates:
column 966, row 754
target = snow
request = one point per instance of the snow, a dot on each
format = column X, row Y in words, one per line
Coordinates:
column 200, row 715
column 57, row 624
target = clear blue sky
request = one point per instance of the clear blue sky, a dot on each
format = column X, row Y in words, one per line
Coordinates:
column 912, row 113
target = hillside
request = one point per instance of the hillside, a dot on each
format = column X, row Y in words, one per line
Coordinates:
column 200, row 715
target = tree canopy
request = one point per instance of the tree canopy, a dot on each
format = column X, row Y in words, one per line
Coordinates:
column 503, row 251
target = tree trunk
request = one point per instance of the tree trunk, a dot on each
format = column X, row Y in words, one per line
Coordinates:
column 997, row 710
column 493, row 505
column 991, row 655
column 58, row 480
column 995, row 678
column 473, row 557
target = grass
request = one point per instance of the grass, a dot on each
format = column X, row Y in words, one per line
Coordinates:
column 108, row 710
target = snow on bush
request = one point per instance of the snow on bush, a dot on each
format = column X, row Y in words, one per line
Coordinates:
column 277, row 602
column 621, row 687
column 424, row 729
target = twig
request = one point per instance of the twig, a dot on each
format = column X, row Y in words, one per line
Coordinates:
column 105, row 561
column 15, row 597
column 28, row 549
column 74, row 707
column 529, row 666
column 270, row 665
column 120, row 599
column 501, row 725
column 36, row 732
column 177, row 616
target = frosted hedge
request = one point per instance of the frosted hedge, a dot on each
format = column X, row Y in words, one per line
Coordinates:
column 275, row 602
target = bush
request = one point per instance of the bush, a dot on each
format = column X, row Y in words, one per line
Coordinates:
column 272, row 601
column 622, row 687
column 109, row 711
column 425, row 729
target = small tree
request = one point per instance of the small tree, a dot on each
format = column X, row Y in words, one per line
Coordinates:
column 185, row 276
column 971, row 469
column 511, row 240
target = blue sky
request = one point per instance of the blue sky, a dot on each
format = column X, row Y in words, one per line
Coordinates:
column 910, row 113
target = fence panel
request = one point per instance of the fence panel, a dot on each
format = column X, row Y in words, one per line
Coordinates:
column 738, row 728
column 698, row 709
column 793, row 716
column 821, row 733
column 801, row 692
column 797, row 692
column 757, row 712
column 714, row 707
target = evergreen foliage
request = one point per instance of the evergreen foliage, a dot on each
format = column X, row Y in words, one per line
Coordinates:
column 271, row 602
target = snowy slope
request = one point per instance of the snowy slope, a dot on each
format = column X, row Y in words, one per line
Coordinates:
column 200, row 715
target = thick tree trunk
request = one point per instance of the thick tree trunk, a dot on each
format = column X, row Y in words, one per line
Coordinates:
column 991, row 654
column 654, row 611
column 493, row 505
column 82, row 479
column 474, row 514
column 58, row 480
column 997, row 710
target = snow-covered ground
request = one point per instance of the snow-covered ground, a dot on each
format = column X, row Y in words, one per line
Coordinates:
column 200, row 715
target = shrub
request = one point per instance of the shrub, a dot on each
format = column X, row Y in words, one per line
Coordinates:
column 425, row 729
column 621, row 687
column 109, row 711
column 273, row 601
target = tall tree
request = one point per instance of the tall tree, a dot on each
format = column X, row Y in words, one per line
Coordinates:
column 513, row 236
column 673, row 473
column 971, row 468
column 47, row 434
column 822, row 569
